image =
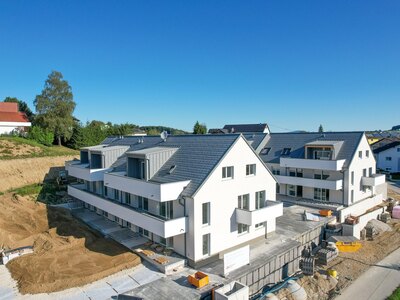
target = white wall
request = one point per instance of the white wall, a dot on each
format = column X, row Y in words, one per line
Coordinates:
column 8, row 127
column 357, row 165
column 392, row 166
column 223, row 197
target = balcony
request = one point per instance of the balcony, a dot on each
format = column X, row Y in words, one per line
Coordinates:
column 318, row 164
column 82, row 171
column 270, row 212
column 157, row 225
column 373, row 180
column 310, row 182
column 152, row 190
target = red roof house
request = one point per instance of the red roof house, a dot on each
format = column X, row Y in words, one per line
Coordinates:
column 11, row 119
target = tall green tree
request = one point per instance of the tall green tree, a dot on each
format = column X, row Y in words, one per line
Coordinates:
column 22, row 106
column 199, row 128
column 54, row 107
column 320, row 128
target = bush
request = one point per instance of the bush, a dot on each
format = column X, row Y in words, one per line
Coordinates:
column 41, row 136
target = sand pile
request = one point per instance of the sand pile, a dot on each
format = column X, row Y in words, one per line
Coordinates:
column 66, row 252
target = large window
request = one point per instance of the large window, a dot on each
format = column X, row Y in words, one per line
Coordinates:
column 143, row 203
column 206, row 213
column 227, row 172
column 243, row 228
column 251, row 169
column 206, row 244
column 260, row 199
column 128, row 198
column 291, row 190
column 243, row 201
column 321, row 194
column 321, row 176
column 166, row 209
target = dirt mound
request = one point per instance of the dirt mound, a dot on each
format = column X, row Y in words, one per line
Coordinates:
column 15, row 173
column 66, row 252
column 12, row 149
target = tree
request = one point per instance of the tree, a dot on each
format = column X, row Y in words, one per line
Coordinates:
column 22, row 107
column 54, row 107
column 199, row 128
column 320, row 128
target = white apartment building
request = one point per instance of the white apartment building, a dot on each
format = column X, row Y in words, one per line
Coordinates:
column 202, row 195
column 335, row 170
column 388, row 157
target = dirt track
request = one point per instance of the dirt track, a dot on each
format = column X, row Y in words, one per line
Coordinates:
column 66, row 252
column 20, row 172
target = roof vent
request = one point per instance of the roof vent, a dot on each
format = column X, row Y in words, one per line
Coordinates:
column 171, row 169
column 164, row 135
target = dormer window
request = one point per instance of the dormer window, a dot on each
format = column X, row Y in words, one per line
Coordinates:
column 286, row 151
column 265, row 151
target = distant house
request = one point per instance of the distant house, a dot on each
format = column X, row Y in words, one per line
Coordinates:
column 397, row 127
column 11, row 119
column 388, row 156
column 241, row 128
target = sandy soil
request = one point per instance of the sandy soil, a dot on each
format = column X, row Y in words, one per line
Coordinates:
column 8, row 148
column 66, row 252
column 20, row 172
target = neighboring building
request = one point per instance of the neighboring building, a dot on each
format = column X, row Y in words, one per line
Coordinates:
column 11, row 119
column 335, row 170
column 247, row 128
column 388, row 156
column 202, row 195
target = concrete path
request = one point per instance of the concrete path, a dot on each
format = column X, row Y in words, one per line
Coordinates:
column 378, row 282
column 100, row 290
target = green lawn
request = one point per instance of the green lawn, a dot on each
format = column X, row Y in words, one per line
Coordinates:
column 395, row 295
column 46, row 192
column 19, row 143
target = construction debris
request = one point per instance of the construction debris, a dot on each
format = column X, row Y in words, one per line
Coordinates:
column 310, row 217
column 307, row 266
column 375, row 227
column 7, row 255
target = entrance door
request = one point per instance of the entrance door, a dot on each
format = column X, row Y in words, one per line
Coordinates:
column 299, row 191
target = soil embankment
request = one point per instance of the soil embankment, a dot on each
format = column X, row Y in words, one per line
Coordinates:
column 66, row 252
column 16, row 173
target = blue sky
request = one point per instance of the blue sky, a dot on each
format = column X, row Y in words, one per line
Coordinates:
column 293, row 64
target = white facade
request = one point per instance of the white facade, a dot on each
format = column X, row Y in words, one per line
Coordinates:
column 389, row 159
column 158, row 210
column 8, row 127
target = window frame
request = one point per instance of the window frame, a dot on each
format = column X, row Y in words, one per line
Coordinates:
column 206, row 218
column 251, row 169
column 225, row 173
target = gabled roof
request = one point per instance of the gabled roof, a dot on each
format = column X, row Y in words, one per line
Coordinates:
column 8, row 107
column 247, row 128
column 296, row 142
column 387, row 146
column 196, row 157
column 13, row 117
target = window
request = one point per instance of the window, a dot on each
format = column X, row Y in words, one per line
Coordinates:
column 360, row 154
column 105, row 214
column 227, row 172
column 251, row 169
column 243, row 201
column 352, row 177
column 278, row 188
column 142, row 170
column 367, row 153
column 128, row 198
column 143, row 203
column 321, row 194
column 144, row 232
column 206, row 213
column 370, row 172
column 352, row 196
column 321, row 176
column 291, row 190
column 398, row 149
column 276, row 171
column 206, row 244
column 105, row 191
column 163, row 241
column 166, row 210
column 260, row 225
column 286, row 151
column 388, row 169
column 364, row 172
column 265, row 151
column 260, row 199
column 243, row 228
column 128, row 224
column 388, row 158
column 116, row 219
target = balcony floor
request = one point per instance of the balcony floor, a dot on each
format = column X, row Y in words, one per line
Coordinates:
column 308, row 202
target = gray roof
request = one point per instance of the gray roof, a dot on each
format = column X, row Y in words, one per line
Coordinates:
column 387, row 146
column 246, row 127
column 296, row 142
column 254, row 139
column 196, row 157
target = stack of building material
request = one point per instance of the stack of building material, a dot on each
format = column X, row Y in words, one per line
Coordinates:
column 392, row 203
column 351, row 220
column 333, row 230
column 307, row 265
column 385, row 217
column 326, row 255
column 396, row 212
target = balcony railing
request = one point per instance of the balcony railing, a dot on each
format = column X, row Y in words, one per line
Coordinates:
column 318, row 164
column 310, row 182
column 156, row 224
column 152, row 190
column 270, row 212
column 373, row 180
column 83, row 171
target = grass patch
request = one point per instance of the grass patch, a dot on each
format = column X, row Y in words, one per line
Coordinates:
column 395, row 295
column 27, row 190
column 43, row 151
column 45, row 193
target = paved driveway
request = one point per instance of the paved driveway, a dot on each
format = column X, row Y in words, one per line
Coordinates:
column 378, row 282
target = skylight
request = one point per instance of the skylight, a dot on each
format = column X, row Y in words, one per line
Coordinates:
column 286, row 151
column 265, row 151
